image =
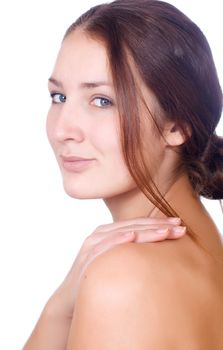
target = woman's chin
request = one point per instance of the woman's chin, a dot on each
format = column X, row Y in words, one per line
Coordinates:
column 81, row 193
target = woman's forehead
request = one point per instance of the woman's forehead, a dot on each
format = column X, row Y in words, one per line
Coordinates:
column 84, row 57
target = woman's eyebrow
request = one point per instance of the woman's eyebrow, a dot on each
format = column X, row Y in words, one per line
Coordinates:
column 55, row 82
column 94, row 84
column 83, row 85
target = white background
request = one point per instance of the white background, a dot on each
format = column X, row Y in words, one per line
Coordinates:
column 41, row 228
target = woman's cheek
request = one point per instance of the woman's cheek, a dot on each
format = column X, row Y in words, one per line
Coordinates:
column 106, row 136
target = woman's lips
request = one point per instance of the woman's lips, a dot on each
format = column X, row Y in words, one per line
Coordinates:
column 75, row 164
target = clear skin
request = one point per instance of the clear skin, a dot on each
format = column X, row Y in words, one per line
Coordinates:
column 83, row 122
column 86, row 125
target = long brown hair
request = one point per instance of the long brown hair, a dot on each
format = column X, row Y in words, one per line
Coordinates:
column 175, row 62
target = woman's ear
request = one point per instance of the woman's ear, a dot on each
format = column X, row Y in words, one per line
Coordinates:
column 174, row 135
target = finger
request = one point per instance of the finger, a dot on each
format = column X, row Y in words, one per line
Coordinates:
column 145, row 233
column 141, row 227
column 99, row 236
column 177, row 232
column 132, row 236
column 138, row 221
column 149, row 235
column 110, row 242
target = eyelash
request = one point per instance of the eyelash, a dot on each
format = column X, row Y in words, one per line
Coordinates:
column 62, row 99
column 105, row 99
column 54, row 94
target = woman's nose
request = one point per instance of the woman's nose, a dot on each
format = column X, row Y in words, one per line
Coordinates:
column 69, row 125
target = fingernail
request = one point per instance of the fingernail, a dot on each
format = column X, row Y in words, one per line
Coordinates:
column 129, row 234
column 174, row 220
column 180, row 229
column 162, row 230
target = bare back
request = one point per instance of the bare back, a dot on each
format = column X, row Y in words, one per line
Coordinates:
column 189, row 290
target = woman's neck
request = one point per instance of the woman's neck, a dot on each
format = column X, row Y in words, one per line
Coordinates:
column 185, row 202
column 181, row 198
column 131, row 204
column 134, row 203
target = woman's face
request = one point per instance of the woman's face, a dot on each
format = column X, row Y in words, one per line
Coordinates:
column 83, row 123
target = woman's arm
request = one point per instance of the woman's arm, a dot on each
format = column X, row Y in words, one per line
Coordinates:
column 52, row 329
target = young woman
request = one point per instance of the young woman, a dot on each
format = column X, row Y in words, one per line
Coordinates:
column 135, row 104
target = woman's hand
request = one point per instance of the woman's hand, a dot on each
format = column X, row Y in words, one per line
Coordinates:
column 105, row 237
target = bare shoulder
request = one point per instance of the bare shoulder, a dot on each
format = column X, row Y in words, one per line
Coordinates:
column 148, row 262
column 170, row 272
column 147, row 296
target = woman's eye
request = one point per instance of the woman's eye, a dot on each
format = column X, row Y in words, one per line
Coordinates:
column 57, row 97
column 102, row 102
